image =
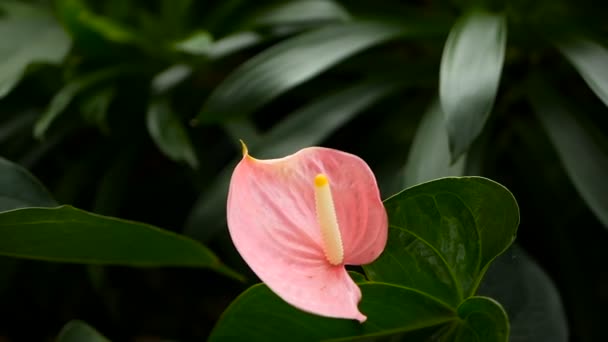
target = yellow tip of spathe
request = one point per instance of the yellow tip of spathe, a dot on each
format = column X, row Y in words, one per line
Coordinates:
column 244, row 148
column 321, row 180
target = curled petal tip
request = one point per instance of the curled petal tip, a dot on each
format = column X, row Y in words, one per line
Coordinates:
column 361, row 318
column 244, row 148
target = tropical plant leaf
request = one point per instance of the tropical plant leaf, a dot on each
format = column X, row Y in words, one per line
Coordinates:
column 483, row 320
column 470, row 73
column 591, row 61
column 288, row 64
column 94, row 108
column 67, row 234
column 429, row 157
column 196, row 44
column 584, row 161
column 19, row 189
column 29, row 34
column 443, row 235
column 528, row 295
column 260, row 315
column 169, row 133
column 301, row 11
column 170, row 78
column 86, row 26
column 79, row 331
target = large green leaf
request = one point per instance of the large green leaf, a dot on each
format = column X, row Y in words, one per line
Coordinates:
column 591, row 61
column 259, row 315
column 288, row 64
column 470, row 73
column 301, row 11
column 585, row 162
column 529, row 297
column 18, row 188
column 169, row 133
column 66, row 234
column 29, row 34
column 78, row 331
column 306, row 127
column 429, row 155
column 443, row 235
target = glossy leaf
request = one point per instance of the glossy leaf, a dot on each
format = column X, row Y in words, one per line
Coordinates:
column 307, row 126
column 259, row 315
column 29, row 34
column 429, row 157
column 315, row 122
column 19, row 189
column 483, row 320
column 585, row 162
column 232, row 44
column 529, row 296
column 470, row 73
column 170, row 78
column 443, row 235
column 302, row 11
column 67, row 234
column 169, row 133
column 196, row 44
column 288, row 64
column 64, row 97
column 78, row 331
column 591, row 60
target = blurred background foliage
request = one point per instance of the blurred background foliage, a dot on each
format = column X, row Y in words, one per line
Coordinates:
column 135, row 109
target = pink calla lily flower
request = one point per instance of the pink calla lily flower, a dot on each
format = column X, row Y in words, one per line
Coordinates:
column 298, row 220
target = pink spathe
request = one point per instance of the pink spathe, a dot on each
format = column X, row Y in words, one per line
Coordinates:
column 273, row 223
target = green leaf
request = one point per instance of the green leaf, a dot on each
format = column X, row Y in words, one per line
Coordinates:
column 196, row 44
column 470, row 73
column 29, row 34
column 169, row 133
column 288, row 64
column 170, row 78
column 306, row 127
column 443, row 235
column 259, row 315
column 529, row 297
column 201, row 44
column 232, row 44
column 591, row 61
column 19, row 189
column 78, row 331
column 315, row 122
column 482, row 320
column 302, row 11
column 64, row 97
column 94, row 108
column 429, row 157
column 88, row 27
column 585, row 162
column 67, row 234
